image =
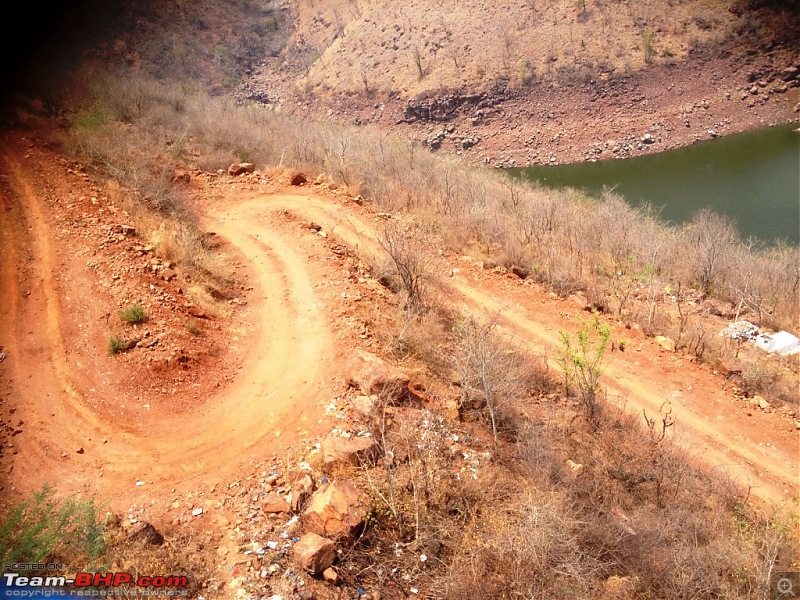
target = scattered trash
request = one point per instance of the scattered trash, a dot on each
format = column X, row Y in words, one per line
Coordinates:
column 423, row 557
column 140, row 483
column 782, row 342
column 3, row 355
column 272, row 545
column 196, row 512
column 740, row 330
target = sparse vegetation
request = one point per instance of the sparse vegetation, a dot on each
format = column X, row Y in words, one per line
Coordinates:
column 647, row 46
column 46, row 529
column 624, row 258
column 133, row 314
column 410, row 247
column 117, row 344
column 581, row 358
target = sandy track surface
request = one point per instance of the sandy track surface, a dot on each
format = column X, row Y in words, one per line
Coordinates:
column 274, row 392
column 290, row 357
column 759, row 451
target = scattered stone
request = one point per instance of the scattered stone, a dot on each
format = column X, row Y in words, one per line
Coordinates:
column 373, row 375
column 274, row 503
column 240, row 169
column 197, row 312
column 335, row 510
column 297, row 178
column 666, row 343
column 314, row 553
column 197, row 512
column 314, row 226
column 80, row 450
column 789, row 73
column 128, row 230
column 354, row 451
column 143, row 532
column 762, row 404
column 330, row 576
column 648, row 138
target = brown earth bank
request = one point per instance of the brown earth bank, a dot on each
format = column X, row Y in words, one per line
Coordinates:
column 660, row 108
column 516, row 84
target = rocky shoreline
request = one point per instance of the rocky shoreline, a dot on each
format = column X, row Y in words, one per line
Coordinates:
column 661, row 108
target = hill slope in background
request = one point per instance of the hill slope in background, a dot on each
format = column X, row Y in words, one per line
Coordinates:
column 521, row 82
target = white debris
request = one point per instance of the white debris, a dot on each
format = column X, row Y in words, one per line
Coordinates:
column 740, row 330
column 782, row 342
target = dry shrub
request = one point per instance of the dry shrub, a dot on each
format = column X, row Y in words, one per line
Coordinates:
column 413, row 261
column 523, row 547
column 567, row 239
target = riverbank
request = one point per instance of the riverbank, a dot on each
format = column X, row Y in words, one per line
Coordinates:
column 660, row 108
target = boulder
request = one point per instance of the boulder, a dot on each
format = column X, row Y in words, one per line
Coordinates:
column 520, row 272
column 666, row 343
column 297, row 178
column 335, row 510
column 789, row 73
column 728, row 366
column 364, row 404
column 580, row 300
column 144, row 533
column 314, row 553
column 302, row 488
column 373, row 375
column 355, row 451
column 237, row 169
column 274, row 503
column 575, row 469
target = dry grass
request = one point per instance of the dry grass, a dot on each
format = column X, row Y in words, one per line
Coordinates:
column 425, row 46
column 629, row 263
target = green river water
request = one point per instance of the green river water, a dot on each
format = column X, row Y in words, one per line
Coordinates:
column 752, row 178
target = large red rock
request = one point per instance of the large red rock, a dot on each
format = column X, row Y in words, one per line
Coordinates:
column 240, row 169
column 274, row 503
column 336, row 510
column 314, row 553
column 373, row 375
column 355, row 451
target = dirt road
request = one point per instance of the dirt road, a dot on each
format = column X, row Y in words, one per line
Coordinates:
column 81, row 429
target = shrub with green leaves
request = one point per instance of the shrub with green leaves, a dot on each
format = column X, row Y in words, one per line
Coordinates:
column 581, row 357
column 117, row 344
column 133, row 314
column 45, row 529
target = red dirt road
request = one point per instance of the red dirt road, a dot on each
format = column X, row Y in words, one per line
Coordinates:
column 283, row 353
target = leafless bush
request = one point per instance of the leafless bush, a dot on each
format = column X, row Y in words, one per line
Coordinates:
column 489, row 369
column 411, row 249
